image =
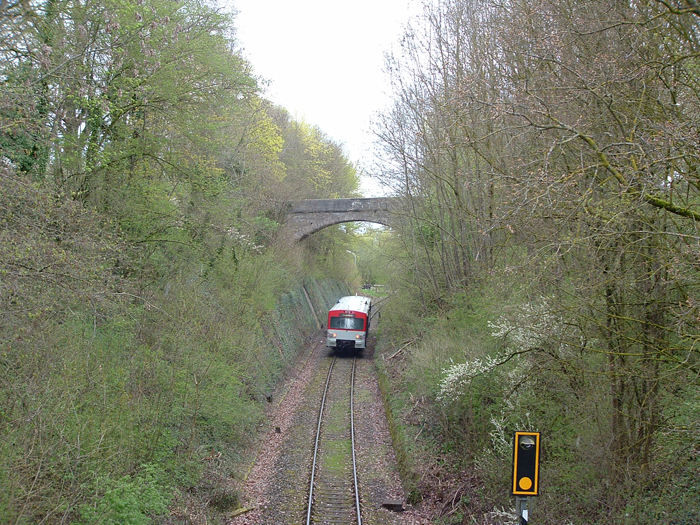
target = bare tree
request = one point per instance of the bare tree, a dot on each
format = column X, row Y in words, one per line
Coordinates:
column 560, row 139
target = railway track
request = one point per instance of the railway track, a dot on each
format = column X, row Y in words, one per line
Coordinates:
column 333, row 491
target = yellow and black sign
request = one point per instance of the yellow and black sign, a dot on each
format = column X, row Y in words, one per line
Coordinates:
column 526, row 464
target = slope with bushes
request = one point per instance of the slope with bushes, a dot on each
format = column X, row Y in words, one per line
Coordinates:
column 546, row 155
column 147, row 311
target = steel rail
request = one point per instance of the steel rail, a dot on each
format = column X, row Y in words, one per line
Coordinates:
column 352, row 436
column 318, row 437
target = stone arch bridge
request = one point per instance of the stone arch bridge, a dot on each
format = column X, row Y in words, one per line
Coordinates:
column 309, row 216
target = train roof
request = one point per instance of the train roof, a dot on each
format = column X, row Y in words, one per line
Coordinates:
column 357, row 303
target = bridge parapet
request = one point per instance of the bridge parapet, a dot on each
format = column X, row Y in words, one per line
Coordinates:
column 342, row 205
column 309, row 216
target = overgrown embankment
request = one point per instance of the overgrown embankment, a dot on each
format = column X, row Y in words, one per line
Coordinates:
column 458, row 383
column 546, row 250
column 125, row 398
column 143, row 302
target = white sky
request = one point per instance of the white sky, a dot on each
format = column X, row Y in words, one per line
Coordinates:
column 324, row 60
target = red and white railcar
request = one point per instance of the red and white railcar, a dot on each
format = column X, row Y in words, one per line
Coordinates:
column 348, row 322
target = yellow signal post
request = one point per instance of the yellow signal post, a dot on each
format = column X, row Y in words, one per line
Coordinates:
column 526, row 471
column 526, row 464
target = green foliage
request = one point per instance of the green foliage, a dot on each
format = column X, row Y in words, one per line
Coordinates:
column 151, row 344
column 54, row 255
column 316, row 166
column 146, row 313
column 545, row 388
column 403, row 447
column 565, row 194
column 93, row 400
column 95, row 405
column 131, row 500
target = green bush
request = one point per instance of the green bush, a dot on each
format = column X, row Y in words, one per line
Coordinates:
column 115, row 389
column 130, row 500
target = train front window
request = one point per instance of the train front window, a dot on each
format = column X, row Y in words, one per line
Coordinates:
column 347, row 323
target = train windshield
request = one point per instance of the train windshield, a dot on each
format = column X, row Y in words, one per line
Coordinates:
column 347, row 323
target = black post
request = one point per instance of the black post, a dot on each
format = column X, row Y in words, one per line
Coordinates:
column 521, row 508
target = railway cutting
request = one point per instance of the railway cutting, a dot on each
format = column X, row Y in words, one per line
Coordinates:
column 278, row 489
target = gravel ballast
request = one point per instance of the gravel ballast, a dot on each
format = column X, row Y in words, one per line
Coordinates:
column 275, row 489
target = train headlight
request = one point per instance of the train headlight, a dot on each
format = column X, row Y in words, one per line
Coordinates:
column 359, row 336
column 332, row 335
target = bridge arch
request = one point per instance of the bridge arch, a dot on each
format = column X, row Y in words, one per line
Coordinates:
column 307, row 217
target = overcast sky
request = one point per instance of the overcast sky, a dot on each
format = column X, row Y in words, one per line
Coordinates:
column 324, row 60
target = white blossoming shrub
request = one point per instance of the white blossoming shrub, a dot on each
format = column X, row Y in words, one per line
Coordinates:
column 532, row 326
column 457, row 377
column 501, row 433
column 244, row 240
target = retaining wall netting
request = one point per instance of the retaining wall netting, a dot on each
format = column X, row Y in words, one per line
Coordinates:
column 293, row 320
column 325, row 294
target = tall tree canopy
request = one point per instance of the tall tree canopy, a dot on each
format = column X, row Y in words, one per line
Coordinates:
column 143, row 176
column 553, row 145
